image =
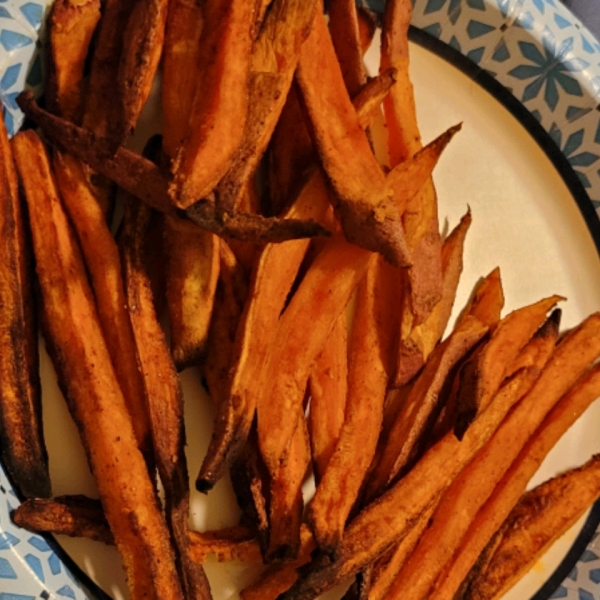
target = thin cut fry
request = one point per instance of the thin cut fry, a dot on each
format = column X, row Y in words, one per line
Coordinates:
column 364, row 201
column 22, row 445
column 394, row 513
column 87, row 377
column 70, row 29
column 487, row 301
column 75, row 516
column 233, row 543
column 507, row 492
column 539, row 519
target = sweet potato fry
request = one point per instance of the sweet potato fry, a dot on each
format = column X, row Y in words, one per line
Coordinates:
column 367, row 26
column 328, row 385
column 392, row 515
column 405, row 439
column 143, row 40
column 537, row 521
column 487, row 301
column 286, row 503
column 86, row 375
column 70, row 29
column 180, row 72
column 364, row 201
column 218, row 115
column 101, row 255
column 233, row 543
column 164, row 397
column 191, row 280
column 345, row 35
column 22, row 446
column 274, row 59
column 75, row 516
column 370, row 345
column 513, row 484
column 486, row 369
column 474, row 485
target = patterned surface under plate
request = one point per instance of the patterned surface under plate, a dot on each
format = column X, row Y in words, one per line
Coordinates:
column 534, row 48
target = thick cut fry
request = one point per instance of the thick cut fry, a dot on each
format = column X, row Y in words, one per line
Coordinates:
column 218, row 115
column 191, row 280
column 180, row 72
column 539, row 519
column 75, row 516
column 415, row 348
column 102, row 259
column 474, row 485
column 370, row 346
column 486, row 369
column 328, row 385
column 394, row 513
column 233, row 543
column 345, row 35
column 364, row 201
column 164, row 396
column 286, row 501
column 22, row 446
column 507, row 492
column 417, row 414
column 320, row 299
column 87, row 377
column 274, row 60
column 70, row 29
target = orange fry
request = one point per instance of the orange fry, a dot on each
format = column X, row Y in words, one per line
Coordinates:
column 234, row 543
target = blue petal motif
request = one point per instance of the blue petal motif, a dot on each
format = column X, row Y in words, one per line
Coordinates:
column 476, row 29
column 501, row 53
column 433, row 6
column 584, row 595
column 585, row 159
column 597, row 136
column 532, row 52
column 54, row 564
column 435, row 30
column 66, row 592
column 11, row 40
column 573, row 574
column 33, row 13
column 588, row 555
column 572, row 144
column 8, row 540
column 476, row 55
column 585, row 182
column 6, row 570
column 561, row 592
column 9, row 122
column 575, row 112
column 39, row 543
column 36, row 566
column 561, row 21
column 9, row 596
column 10, row 76
column 454, row 43
column 594, row 575
column 539, row 4
column 476, row 4
column 4, row 14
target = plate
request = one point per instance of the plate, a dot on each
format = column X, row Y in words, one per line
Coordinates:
column 531, row 175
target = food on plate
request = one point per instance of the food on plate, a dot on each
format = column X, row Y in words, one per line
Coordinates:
column 281, row 239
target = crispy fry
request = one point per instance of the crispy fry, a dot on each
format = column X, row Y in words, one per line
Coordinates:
column 70, row 29
column 233, row 543
column 367, row 26
column 394, row 513
column 143, row 40
column 486, row 369
column 364, row 204
column 75, row 516
column 191, row 280
column 164, row 396
column 487, row 301
column 86, row 375
column 274, row 59
column 507, row 492
column 218, row 115
column 345, row 35
column 370, row 345
column 180, row 73
column 328, row 385
column 22, row 445
column 537, row 521
column 474, row 485
column 102, row 259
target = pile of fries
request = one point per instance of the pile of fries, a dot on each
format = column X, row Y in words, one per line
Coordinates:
column 305, row 275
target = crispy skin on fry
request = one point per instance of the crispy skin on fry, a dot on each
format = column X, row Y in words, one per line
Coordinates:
column 274, row 59
column 218, row 114
column 370, row 346
column 70, row 29
column 75, row 516
column 328, row 385
column 513, row 484
column 487, row 301
column 191, row 280
column 345, row 35
column 87, row 378
column 102, row 259
column 486, row 369
column 143, row 40
column 474, row 485
column 364, row 201
column 537, row 521
column 393, row 514
column 233, row 543
column 180, row 72
column 22, row 446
